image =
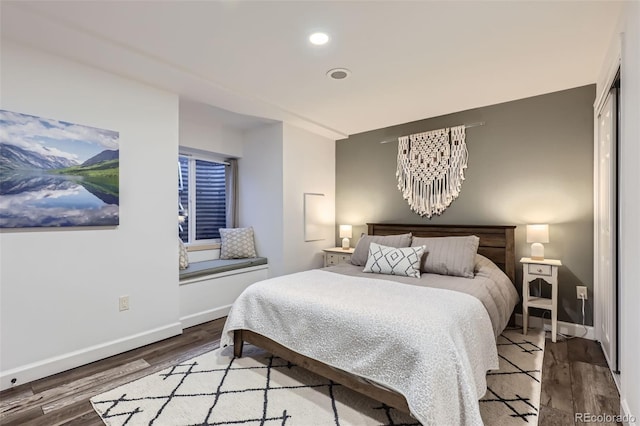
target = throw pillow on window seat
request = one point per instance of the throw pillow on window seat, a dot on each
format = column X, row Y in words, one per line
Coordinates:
column 183, row 255
column 237, row 243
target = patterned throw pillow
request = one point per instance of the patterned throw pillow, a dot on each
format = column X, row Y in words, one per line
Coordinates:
column 183, row 255
column 237, row 243
column 394, row 261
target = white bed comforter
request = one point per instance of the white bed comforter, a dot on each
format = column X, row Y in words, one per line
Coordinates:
column 431, row 345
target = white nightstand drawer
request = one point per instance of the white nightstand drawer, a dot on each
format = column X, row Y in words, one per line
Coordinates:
column 537, row 269
column 337, row 255
column 332, row 259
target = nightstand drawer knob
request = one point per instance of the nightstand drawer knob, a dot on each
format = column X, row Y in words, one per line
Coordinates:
column 539, row 270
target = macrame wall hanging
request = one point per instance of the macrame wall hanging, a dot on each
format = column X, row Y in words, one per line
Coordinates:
column 431, row 169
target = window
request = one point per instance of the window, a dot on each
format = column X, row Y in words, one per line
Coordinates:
column 201, row 199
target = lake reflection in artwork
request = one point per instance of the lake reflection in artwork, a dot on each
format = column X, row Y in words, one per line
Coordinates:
column 55, row 174
column 46, row 200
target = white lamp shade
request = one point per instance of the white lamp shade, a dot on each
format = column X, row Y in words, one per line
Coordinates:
column 538, row 233
column 345, row 231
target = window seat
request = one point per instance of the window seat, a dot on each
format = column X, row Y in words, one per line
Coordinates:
column 211, row 267
column 208, row 288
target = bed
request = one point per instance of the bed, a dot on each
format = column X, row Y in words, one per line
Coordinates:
column 430, row 347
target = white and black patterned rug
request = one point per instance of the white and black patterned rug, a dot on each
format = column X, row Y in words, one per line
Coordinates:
column 513, row 391
column 259, row 389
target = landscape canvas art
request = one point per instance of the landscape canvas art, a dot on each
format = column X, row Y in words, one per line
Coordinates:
column 54, row 173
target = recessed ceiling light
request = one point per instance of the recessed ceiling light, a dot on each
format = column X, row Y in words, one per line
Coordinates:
column 338, row 73
column 318, row 38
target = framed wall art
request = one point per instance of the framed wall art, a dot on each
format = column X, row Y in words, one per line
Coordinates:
column 57, row 174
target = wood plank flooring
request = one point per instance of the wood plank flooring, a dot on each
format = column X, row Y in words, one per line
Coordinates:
column 63, row 399
column 575, row 379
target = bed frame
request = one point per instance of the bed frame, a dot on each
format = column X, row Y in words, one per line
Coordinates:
column 496, row 243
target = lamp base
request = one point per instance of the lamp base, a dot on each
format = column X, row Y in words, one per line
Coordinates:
column 537, row 251
column 345, row 244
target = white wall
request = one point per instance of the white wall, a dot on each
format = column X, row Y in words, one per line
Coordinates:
column 260, row 196
column 309, row 166
column 202, row 127
column 628, row 48
column 280, row 163
column 60, row 287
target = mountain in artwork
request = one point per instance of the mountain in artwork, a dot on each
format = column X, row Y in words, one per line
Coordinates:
column 13, row 157
column 106, row 155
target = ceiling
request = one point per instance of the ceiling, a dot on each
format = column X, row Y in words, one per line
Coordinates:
column 409, row 60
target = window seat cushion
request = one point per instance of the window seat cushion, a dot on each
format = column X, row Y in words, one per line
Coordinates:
column 209, row 267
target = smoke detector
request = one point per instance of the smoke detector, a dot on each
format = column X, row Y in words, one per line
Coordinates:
column 338, row 73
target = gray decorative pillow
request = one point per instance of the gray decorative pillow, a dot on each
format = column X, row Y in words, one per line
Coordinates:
column 361, row 252
column 403, row 261
column 183, row 255
column 454, row 256
column 237, row 243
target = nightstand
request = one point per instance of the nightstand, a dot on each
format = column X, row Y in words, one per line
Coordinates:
column 546, row 270
column 334, row 256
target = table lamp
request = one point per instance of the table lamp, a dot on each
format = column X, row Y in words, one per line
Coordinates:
column 537, row 234
column 345, row 234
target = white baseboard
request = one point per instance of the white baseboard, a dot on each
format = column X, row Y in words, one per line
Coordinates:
column 37, row 370
column 566, row 328
column 627, row 417
column 205, row 316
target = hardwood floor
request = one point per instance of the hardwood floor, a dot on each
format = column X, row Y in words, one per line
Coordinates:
column 575, row 379
column 64, row 398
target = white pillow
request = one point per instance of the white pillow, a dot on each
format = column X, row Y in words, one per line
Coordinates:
column 237, row 243
column 183, row 255
column 394, row 261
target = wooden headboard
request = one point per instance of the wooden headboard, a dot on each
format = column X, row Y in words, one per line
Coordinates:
column 497, row 243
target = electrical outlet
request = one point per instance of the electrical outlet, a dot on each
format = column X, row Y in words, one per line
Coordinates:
column 581, row 292
column 124, row 303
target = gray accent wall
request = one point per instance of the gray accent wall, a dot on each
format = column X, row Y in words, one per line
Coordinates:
column 531, row 162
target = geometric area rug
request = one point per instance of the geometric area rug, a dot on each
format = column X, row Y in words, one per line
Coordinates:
column 260, row 389
column 513, row 391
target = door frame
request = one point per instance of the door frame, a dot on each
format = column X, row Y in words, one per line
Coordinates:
column 608, row 84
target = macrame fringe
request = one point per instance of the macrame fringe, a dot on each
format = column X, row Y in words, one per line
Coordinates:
column 431, row 169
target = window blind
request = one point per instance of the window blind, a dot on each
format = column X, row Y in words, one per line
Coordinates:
column 204, row 196
column 210, row 199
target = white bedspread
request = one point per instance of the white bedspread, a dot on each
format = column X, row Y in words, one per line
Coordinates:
column 431, row 345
